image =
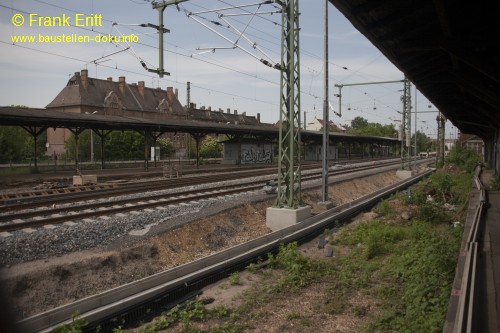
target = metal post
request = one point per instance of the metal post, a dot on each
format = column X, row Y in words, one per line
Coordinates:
column 289, row 171
column 326, row 121
column 92, row 146
column 415, row 165
column 406, row 140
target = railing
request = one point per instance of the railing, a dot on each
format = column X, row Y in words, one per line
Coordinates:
column 465, row 318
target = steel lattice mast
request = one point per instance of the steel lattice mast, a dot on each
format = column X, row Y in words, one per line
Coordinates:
column 406, row 123
column 289, row 173
column 289, row 192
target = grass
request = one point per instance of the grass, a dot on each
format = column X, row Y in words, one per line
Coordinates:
column 389, row 275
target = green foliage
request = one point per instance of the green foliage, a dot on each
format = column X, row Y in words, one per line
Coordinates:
column 432, row 213
column 442, row 183
column 424, row 143
column 300, row 271
column 463, row 158
column 360, row 125
column 16, row 144
column 166, row 147
column 495, row 185
column 128, row 145
column 210, row 148
column 384, row 208
column 420, row 280
column 118, row 145
column 76, row 326
column 193, row 310
column 234, row 278
column 374, row 239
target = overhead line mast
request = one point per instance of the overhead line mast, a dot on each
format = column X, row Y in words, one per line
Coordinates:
column 288, row 190
column 406, row 119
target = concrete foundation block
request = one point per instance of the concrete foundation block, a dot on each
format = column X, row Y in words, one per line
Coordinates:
column 324, row 206
column 84, row 179
column 280, row 218
column 404, row 174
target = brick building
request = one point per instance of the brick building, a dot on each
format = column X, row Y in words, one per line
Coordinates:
column 83, row 94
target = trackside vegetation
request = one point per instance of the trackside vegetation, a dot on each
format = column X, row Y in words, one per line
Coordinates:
column 390, row 273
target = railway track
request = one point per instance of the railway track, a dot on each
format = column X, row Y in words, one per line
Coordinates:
column 81, row 210
column 18, row 200
column 130, row 301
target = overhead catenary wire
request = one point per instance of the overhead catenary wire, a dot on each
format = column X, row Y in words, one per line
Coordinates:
column 212, row 62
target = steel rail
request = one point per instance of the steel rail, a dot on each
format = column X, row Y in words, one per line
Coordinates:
column 129, row 188
column 37, row 198
column 123, row 299
column 15, row 221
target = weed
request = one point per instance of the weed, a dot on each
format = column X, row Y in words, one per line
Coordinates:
column 234, row 278
column 495, row 185
column 384, row 208
column 77, row 325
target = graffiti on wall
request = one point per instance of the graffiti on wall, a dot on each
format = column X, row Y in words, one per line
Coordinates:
column 256, row 156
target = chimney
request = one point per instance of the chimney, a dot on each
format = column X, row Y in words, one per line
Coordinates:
column 176, row 93
column 121, row 84
column 170, row 94
column 235, row 111
column 110, row 78
column 141, row 88
column 209, row 108
column 258, row 117
column 228, row 111
column 193, row 106
column 84, row 78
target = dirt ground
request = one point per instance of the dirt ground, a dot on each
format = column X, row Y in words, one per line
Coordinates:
column 35, row 287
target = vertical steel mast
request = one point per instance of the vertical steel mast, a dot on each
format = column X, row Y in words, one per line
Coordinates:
column 289, row 191
column 406, row 123
column 326, row 120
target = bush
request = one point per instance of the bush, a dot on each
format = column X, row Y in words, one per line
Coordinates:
column 463, row 158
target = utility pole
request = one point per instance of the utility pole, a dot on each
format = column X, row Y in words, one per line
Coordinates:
column 289, row 207
column 340, row 86
column 160, row 6
column 325, row 203
column 440, row 139
column 405, row 122
column 289, row 171
column 406, row 142
column 415, row 153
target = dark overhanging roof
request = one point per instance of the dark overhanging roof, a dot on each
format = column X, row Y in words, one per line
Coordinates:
column 446, row 48
column 29, row 117
column 57, row 119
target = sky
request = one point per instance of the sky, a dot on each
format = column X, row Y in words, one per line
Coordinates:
column 200, row 48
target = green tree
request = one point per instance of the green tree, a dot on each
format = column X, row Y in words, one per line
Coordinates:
column 128, row 145
column 359, row 123
column 361, row 126
column 424, row 143
column 118, row 145
column 166, row 147
column 210, row 148
column 16, row 144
